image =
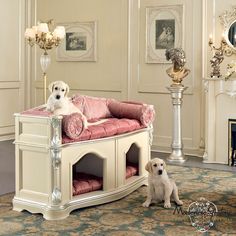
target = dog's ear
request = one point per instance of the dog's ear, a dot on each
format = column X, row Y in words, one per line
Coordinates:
column 51, row 86
column 148, row 167
column 164, row 165
column 67, row 89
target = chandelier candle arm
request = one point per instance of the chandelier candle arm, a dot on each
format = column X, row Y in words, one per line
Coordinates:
column 218, row 56
column 42, row 36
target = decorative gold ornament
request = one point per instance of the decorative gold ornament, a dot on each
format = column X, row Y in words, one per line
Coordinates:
column 218, row 56
column 46, row 39
column 177, row 72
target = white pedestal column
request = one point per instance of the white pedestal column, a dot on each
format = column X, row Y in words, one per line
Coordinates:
column 177, row 154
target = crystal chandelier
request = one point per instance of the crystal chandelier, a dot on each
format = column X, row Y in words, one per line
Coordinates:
column 46, row 39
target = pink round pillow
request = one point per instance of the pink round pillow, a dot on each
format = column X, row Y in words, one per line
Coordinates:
column 72, row 125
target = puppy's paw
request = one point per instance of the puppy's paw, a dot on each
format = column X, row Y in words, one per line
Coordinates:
column 167, row 205
column 57, row 112
column 179, row 202
column 146, row 204
column 48, row 108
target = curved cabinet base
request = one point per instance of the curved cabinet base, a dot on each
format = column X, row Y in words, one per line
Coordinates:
column 83, row 200
column 45, row 167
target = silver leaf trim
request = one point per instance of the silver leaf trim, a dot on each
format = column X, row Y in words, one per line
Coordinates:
column 56, row 196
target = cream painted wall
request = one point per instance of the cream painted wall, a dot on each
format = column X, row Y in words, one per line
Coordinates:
column 121, row 72
column 149, row 81
column 12, row 15
column 108, row 76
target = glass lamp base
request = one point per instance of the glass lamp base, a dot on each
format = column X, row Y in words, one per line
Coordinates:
column 45, row 61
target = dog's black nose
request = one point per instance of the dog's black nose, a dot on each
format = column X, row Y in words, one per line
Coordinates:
column 160, row 172
column 58, row 97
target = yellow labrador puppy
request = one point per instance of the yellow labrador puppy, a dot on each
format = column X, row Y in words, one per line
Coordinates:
column 60, row 104
column 160, row 187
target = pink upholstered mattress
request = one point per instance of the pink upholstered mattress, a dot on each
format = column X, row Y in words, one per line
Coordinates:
column 111, row 127
column 131, row 169
column 122, row 117
column 85, row 183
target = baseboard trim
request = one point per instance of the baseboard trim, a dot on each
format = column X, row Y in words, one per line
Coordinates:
column 190, row 152
column 7, row 137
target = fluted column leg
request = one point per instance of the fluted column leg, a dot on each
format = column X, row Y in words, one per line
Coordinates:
column 177, row 154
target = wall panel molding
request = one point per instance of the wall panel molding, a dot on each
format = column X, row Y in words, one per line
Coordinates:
column 151, row 88
column 12, row 86
column 165, row 141
column 148, row 81
column 127, row 79
column 208, row 27
column 109, row 88
column 30, row 55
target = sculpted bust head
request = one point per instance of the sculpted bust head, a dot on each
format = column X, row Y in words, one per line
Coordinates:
column 177, row 56
column 177, row 72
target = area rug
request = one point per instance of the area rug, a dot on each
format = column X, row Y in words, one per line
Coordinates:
column 127, row 217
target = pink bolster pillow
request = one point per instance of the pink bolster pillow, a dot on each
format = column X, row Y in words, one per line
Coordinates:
column 72, row 125
column 131, row 110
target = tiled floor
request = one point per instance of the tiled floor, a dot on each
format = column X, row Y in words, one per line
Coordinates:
column 7, row 165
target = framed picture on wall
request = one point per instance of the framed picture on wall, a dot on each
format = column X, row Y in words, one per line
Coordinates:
column 79, row 43
column 164, row 30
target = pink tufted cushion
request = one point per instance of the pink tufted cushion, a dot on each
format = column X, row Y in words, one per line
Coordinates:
column 127, row 117
column 131, row 170
column 142, row 112
column 84, row 183
column 112, row 126
column 92, row 107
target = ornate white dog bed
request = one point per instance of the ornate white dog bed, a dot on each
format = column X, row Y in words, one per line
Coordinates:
column 46, row 166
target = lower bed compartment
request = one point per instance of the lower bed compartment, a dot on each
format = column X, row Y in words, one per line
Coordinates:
column 85, row 183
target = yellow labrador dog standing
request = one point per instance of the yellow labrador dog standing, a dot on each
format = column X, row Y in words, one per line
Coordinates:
column 160, row 187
